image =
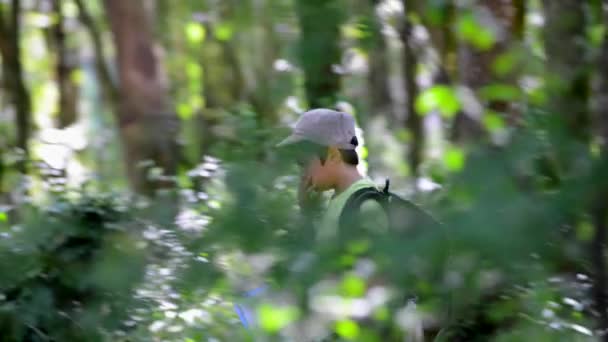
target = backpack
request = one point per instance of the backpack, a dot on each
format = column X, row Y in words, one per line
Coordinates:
column 413, row 234
column 412, row 231
column 405, row 218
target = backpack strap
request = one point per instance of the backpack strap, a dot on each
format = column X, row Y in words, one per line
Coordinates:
column 354, row 202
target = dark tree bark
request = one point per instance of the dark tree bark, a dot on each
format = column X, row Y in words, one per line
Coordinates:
column 567, row 75
column 376, row 46
column 414, row 121
column 10, row 49
column 598, row 259
column 600, row 209
column 148, row 124
column 68, row 90
column 320, row 22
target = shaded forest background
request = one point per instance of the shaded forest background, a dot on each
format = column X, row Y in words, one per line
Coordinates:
column 141, row 194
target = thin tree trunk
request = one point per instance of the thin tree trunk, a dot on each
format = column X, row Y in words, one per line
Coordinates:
column 567, row 75
column 598, row 259
column 67, row 110
column 110, row 90
column 320, row 22
column 10, row 48
column 600, row 210
column 148, row 124
column 381, row 101
column 414, row 121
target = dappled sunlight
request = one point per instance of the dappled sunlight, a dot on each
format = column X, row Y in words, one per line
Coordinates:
column 452, row 187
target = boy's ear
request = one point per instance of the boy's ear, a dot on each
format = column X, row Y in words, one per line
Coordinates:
column 333, row 154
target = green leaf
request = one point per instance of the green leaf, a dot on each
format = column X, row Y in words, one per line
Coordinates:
column 477, row 35
column 584, row 231
column 441, row 97
column 504, row 63
column 196, row 102
column 595, row 147
column 193, row 70
column 359, row 246
column 381, row 314
column 364, row 153
column 273, row 319
column 184, row 111
column 504, row 92
column 454, row 159
column 195, row 32
column 224, row 32
column 493, row 121
column 353, row 286
column 596, row 34
column 355, row 31
column 3, row 217
column 77, row 76
column 347, row 329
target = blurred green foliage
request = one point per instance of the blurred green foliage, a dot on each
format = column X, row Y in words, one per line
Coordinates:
column 84, row 259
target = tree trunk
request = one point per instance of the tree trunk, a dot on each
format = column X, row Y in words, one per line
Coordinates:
column 567, row 76
column 68, row 90
column 319, row 52
column 148, row 124
column 475, row 66
column 414, row 121
column 600, row 210
column 380, row 97
column 10, row 50
column 598, row 259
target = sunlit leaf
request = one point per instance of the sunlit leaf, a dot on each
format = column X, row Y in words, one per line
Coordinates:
column 454, row 159
column 196, row 102
column 273, row 319
column 356, row 31
column 224, row 32
column 347, row 329
column 193, row 70
column 364, row 152
column 442, row 98
column 69, row 9
column 184, row 111
column 505, row 92
column 492, row 121
column 596, row 34
column 77, row 76
column 195, row 32
column 477, row 35
column 3, row 217
column 353, row 286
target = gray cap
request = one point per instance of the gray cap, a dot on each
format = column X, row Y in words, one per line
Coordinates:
column 324, row 127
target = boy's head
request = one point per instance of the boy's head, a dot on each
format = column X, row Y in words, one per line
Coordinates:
column 324, row 142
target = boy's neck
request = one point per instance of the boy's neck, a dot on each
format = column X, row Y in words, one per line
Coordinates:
column 347, row 176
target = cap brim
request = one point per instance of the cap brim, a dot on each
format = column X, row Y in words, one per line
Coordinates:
column 292, row 139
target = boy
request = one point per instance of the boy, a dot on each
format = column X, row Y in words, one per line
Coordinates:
column 325, row 141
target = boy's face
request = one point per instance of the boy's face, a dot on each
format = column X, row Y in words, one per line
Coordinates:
column 316, row 174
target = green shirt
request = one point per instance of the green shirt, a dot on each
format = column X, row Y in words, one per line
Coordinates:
column 371, row 211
